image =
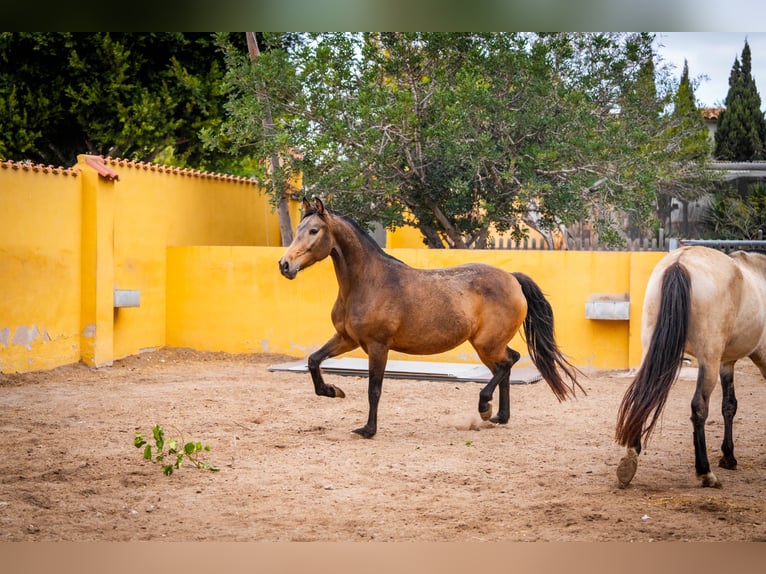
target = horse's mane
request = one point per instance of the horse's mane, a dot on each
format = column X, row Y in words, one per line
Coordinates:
column 366, row 238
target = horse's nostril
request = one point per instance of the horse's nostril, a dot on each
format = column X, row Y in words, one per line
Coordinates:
column 284, row 268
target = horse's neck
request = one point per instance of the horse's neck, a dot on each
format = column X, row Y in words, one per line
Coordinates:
column 353, row 257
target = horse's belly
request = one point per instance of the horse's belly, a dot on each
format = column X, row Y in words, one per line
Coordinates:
column 429, row 340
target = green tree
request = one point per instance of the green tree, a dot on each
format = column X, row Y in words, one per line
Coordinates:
column 138, row 96
column 741, row 129
column 457, row 132
column 688, row 136
column 732, row 215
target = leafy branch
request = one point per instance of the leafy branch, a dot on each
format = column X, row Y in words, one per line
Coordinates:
column 169, row 452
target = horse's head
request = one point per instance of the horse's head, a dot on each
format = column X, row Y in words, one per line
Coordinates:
column 312, row 241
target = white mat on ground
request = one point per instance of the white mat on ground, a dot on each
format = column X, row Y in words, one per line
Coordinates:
column 421, row 370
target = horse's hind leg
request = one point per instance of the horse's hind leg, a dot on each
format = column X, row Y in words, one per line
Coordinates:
column 501, row 375
column 335, row 346
column 706, row 379
column 628, row 465
column 729, row 409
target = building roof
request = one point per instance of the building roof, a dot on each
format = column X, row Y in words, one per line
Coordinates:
column 711, row 114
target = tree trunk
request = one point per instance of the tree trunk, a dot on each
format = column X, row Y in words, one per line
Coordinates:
column 449, row 229
column 283, row 213
column 432, row 239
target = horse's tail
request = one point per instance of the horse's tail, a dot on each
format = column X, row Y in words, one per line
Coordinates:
column 538, row 331
column 659, row 369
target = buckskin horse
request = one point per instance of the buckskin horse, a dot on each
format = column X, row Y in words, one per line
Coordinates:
column 384, row 304
column 712, row 306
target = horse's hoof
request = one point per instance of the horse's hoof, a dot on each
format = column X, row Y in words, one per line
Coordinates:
column 499, row 420
column 626, row 470
column 728, row 463
column 365, row 432
column 709, row 480
column 336, row 392
column 487, row 413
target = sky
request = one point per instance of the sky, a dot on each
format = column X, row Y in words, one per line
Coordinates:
column 712, row 54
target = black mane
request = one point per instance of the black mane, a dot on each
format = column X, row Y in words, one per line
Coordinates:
column 363, row 235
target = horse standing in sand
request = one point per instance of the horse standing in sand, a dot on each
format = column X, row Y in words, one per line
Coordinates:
column 384, row 304
column 712, row 306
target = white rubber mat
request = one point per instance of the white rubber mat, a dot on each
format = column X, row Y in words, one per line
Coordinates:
column 420, row 370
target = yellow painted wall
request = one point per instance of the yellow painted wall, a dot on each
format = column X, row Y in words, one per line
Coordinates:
column 156, row 207
column 40, row 262
column 233, row 299
column 68, row 238
column 202, row 250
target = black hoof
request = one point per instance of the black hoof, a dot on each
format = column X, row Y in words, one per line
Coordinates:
column 728, row 463
column 499, row 420
column 365, row 432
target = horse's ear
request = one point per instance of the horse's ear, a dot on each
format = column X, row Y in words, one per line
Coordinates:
column 319, row 206
column 306, row 206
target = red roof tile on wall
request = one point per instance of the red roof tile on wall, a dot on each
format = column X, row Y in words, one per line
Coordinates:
column 189, row 172
column 29, row 166
column 711, row 113
column 101, row 165
column 97, row 163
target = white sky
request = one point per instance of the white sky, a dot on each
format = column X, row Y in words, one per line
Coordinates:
column 712, row 54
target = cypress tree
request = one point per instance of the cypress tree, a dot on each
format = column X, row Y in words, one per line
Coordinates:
column 694, row 144
column 741, row 130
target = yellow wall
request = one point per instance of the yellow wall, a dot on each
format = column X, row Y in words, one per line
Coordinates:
column 233, row 299
column 202, row 249
column 40, row 259
column 68, row 238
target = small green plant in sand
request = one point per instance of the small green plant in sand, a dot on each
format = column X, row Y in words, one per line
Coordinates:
column 170, row 453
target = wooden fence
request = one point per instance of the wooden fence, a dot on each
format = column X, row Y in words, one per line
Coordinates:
column 580, row 244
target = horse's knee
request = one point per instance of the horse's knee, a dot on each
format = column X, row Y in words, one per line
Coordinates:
column 313, row 363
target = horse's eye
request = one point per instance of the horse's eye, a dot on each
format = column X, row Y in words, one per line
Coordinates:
column 313, row 231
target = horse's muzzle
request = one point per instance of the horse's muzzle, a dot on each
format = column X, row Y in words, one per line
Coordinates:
column 284, row 269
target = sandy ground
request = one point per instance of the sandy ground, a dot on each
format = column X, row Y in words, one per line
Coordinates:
column 291, row 470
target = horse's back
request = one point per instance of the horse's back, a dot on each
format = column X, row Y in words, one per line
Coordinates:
column 726, row 316
column 440, row 308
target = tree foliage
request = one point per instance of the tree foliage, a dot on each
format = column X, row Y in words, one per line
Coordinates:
column 691, row 148
column 733, row 215
column 741, row 130
column 143, row 96
column 457, row 133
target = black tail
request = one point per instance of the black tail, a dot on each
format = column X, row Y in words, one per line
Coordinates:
column 539, row 333
column 659, row 369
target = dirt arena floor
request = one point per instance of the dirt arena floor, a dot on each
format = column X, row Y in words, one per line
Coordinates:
column 291, row 470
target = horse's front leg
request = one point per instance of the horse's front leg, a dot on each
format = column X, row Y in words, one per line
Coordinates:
column 335, row 346
column 700, row 403
column 378, row 357
column 728, row 409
